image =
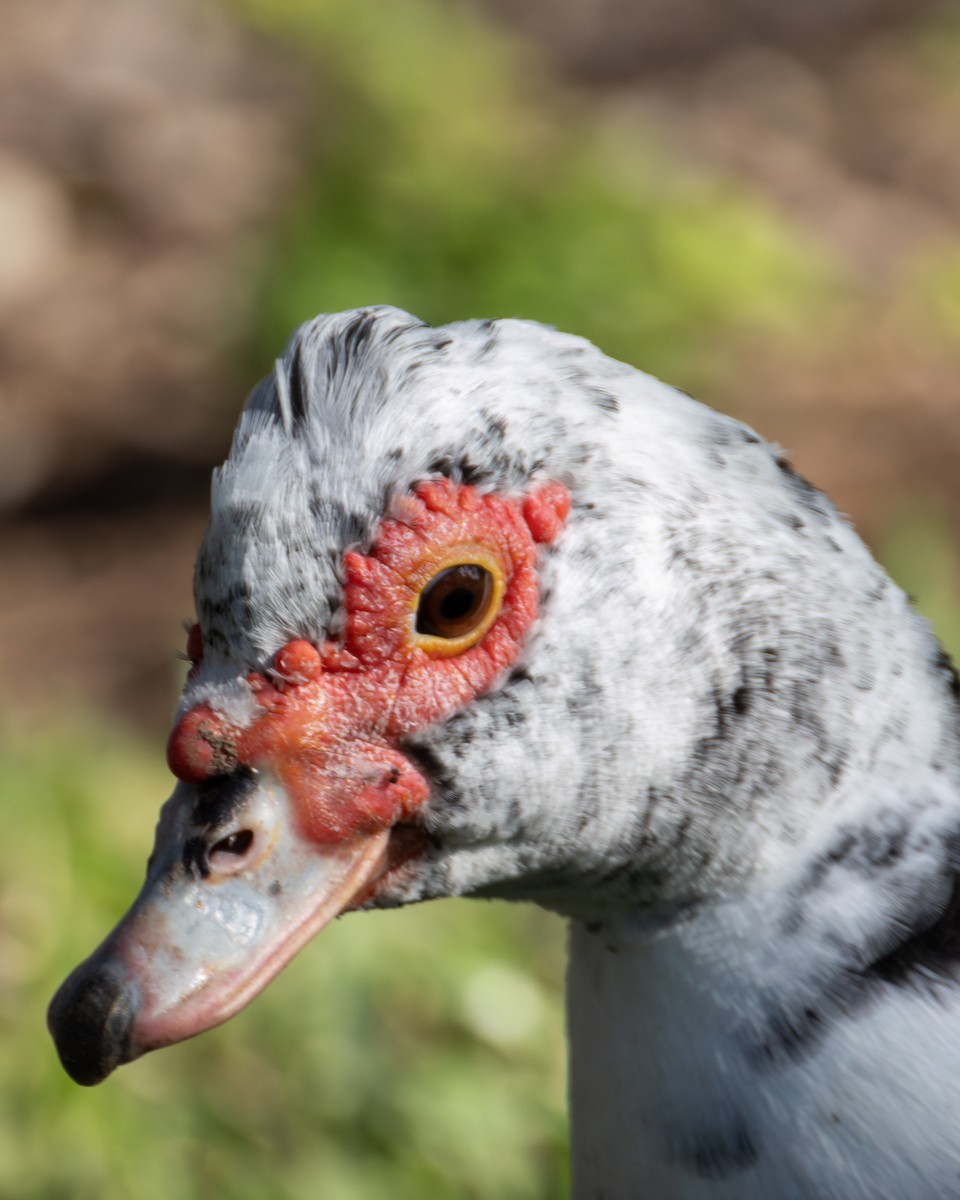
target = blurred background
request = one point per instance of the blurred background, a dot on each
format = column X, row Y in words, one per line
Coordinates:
column 758, row 200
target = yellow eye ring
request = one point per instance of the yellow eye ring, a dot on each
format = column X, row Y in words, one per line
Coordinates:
column 456, row 601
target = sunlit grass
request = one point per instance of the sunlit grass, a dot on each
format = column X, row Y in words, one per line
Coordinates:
column 449, row 175
column 921, row 554
column 935, row 291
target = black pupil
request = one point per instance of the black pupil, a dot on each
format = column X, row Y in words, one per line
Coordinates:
column 455, row 602
column 456, row 605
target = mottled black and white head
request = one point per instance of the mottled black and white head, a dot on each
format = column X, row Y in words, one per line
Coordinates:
column 484, row 612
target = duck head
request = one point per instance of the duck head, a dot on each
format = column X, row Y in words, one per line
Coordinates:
column 480, row 612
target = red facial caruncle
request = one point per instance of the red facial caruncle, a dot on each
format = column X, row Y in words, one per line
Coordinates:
column 435, row 613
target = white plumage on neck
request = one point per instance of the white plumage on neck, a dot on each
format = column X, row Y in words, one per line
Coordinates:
column 773, row 1045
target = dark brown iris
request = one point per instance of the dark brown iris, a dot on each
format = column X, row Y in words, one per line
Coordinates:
column 455, row 602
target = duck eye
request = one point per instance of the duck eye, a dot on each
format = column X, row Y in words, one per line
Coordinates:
column 227, row 855
column 457, row 603
column 234, row 843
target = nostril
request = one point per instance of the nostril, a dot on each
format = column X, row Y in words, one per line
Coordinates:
column 227, row 853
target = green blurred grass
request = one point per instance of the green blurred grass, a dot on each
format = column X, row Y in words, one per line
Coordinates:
column 921, row 553
column 403, row 1054
column 448, row 174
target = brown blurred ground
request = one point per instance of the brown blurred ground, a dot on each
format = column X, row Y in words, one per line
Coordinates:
column 142, row 143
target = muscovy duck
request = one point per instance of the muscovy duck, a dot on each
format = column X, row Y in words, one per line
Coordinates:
column 483, row 612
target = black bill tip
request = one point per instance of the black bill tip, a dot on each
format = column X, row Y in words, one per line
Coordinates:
column 90, row 1019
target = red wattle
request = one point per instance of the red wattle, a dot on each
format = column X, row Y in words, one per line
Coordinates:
column 297, row 662
column 546, row 510
column 201, row 746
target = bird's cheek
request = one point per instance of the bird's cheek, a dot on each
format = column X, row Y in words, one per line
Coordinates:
column 345, row 781
column 324, row 739
column 349, row 791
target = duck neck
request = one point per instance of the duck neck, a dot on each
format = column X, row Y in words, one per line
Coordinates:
column 743, row 1046
column 647, row 1101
